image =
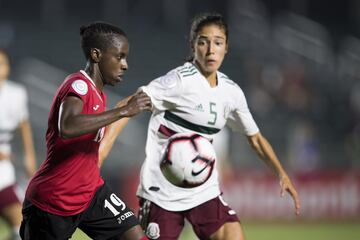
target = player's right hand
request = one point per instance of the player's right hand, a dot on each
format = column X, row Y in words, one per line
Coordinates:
column 137, row 103
column 287, row 186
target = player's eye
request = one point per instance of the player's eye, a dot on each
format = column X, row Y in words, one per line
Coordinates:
column 219, row 43
column 202, row 42
column 121, row 57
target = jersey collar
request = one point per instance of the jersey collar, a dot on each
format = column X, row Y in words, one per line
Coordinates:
column 88, row 77
column 207, row 83
column 93, row 84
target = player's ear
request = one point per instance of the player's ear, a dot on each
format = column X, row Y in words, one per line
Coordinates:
column 226, row 48
column 95, row 54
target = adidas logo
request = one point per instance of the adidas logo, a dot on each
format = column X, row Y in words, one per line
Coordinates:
column 199, row 108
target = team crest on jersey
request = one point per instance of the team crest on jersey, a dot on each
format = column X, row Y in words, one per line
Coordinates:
column 168, row 81
column 153, row 230
column 80, row 87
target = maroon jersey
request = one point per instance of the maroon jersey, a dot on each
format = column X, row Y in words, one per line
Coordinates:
column 68, row 178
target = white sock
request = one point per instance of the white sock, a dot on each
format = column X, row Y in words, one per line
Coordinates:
column 15, row 233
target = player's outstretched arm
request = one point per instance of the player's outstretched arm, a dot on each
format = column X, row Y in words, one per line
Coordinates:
column 112, row 132
column 29, row 150
column 73, row 124
column 263, row 148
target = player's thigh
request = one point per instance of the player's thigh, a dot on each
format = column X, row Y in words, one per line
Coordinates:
column 214, row 218
column 159, row 223
column 133, row 233
column 108, row 217
column 229, row 231
column 12, row 214
column 10, row 206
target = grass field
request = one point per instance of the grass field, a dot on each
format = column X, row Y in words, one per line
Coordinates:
column 302, row 231
column 287, row 231
column 270, row 231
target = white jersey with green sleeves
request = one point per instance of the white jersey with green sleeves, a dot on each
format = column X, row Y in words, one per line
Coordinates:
column 183, row 101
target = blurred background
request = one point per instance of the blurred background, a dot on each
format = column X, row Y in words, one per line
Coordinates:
column 297, row 62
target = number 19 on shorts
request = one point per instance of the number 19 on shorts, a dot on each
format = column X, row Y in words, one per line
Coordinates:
column 115, row 200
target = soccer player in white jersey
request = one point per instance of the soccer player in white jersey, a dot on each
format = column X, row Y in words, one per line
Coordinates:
column 14, row 115
column 197, row 98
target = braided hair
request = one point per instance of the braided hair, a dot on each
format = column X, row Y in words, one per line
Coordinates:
column 98, row 35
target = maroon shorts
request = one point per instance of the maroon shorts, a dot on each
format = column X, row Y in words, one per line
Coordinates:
column 205, row 219
column 8, row 196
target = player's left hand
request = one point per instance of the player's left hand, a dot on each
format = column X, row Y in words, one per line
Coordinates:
column 287, row 186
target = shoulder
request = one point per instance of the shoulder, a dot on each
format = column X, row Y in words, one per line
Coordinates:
column 232, row 89
column 186, row 70
column 170, row 79
column 15, row 85
column 78, row 83
column 227, row 82
column 76, row 76
column 16, row 88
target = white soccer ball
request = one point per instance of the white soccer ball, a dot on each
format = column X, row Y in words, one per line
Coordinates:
column 187, row 160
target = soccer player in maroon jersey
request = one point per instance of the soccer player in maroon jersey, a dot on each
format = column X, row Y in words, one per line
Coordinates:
column 68, row 192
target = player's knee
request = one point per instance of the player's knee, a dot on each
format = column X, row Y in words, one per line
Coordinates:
column 229, row 231
column 12, row 214
column 135, row 232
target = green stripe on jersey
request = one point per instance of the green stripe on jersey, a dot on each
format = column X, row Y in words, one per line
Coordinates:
column 187, row 70
column 228, row 81
column 186, row 124
column 224, row 76
column 185, row 74
column 188, row 74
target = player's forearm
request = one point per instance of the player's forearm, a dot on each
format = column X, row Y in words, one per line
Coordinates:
column 87, row 123
column 74, row 124
column 111, row 133
column 266, row 153
column 28, row 143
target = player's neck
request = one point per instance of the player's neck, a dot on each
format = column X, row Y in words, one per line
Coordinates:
column 94, row 73
column 212, row 79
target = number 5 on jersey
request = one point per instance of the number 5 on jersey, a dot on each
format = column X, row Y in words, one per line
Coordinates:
column 213, row 112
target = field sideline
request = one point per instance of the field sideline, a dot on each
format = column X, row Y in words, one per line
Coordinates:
column 270, row 231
